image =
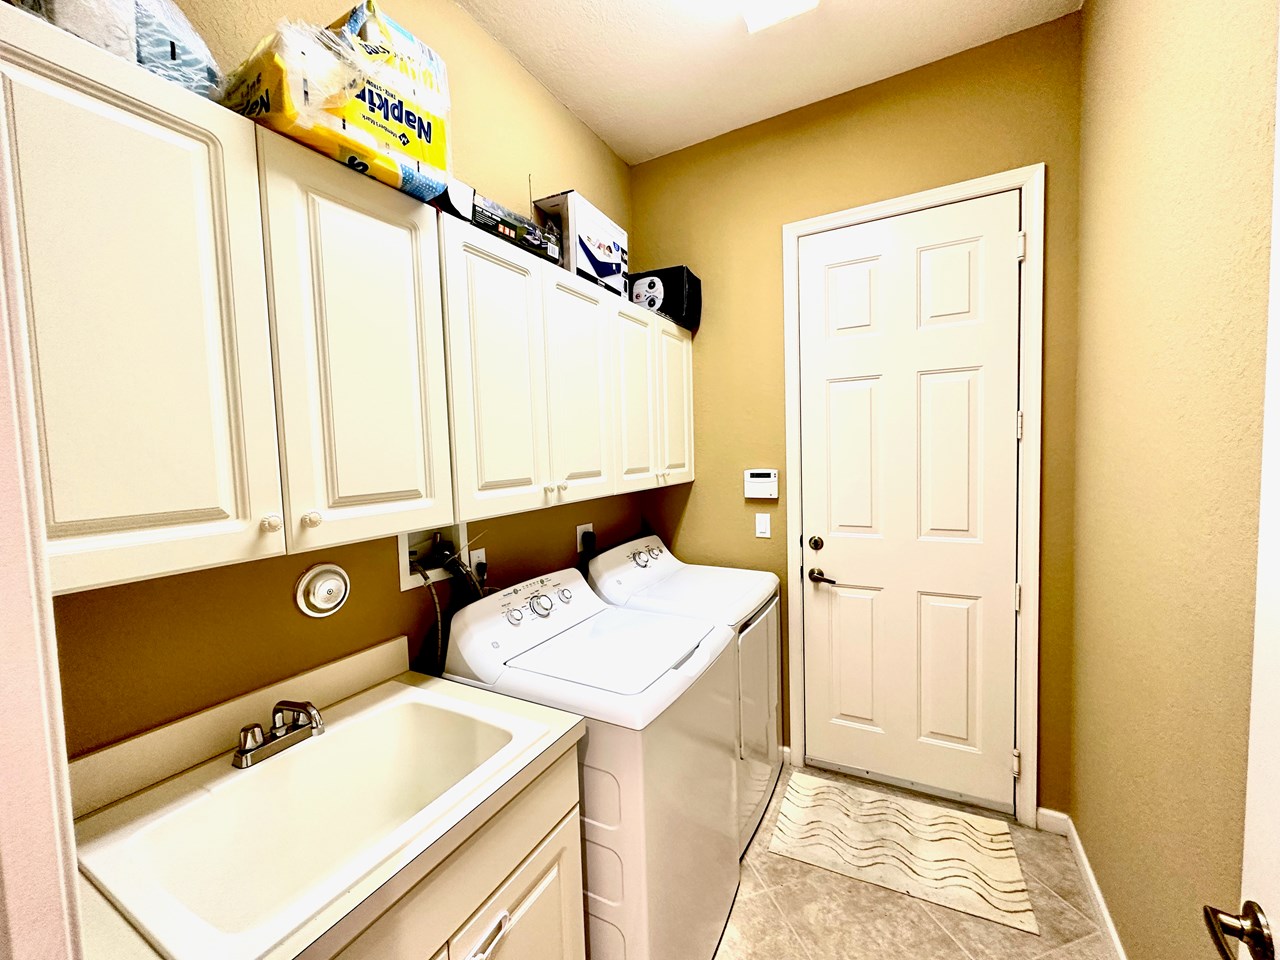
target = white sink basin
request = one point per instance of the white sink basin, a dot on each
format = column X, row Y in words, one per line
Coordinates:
column 225, row 863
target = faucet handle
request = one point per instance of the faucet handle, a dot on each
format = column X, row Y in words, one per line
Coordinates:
column 297, row 715
column 250, row 737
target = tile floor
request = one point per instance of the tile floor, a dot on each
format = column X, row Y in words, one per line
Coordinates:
column 787, row 910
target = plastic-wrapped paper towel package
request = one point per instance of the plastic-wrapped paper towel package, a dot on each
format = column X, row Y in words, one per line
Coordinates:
column 365, row 92
column 155, row 33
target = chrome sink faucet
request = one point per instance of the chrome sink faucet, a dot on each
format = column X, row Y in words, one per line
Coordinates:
column 291, row 722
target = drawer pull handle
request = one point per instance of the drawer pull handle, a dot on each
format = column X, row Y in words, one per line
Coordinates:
column 484, row 950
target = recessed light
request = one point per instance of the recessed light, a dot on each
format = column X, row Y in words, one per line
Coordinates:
column 760, row 14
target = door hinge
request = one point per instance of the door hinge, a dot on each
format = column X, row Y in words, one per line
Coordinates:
column 1017, row 764
column 1021, row 245
column 1019, row 424
column 1017, row 598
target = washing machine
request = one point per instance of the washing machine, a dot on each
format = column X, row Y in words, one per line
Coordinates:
column 644, row 575
column 659, row 694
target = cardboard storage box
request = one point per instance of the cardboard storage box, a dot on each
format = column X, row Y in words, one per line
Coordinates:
column 591, row 245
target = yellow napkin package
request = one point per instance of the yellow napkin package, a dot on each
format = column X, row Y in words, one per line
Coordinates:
column 364, row 91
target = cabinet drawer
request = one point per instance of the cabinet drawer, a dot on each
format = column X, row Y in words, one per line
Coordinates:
column 537, row 914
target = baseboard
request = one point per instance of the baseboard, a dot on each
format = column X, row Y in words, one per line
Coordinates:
column 1053, row 821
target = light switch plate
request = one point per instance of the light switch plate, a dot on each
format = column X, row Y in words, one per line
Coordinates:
column 584, row 528
column 762, row 526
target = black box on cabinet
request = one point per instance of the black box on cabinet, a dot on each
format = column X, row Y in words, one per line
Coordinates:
column 674, row 292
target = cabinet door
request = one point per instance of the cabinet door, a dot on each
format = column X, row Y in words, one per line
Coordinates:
column 135, row 263
column 636, row 397
column 578, row 344
column 675, row 403
column 359, row 351
column 493, row 308
column 537, row 914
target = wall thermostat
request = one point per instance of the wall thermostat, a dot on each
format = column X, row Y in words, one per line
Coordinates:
column 760, row 484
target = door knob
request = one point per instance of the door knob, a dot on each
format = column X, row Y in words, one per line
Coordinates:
column 1250, row 928
column 816, row 575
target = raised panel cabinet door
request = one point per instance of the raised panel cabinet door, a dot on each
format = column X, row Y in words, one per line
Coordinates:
column 493, row 316
column 359, row 351
column 635, row 392
column 577, row 337
column 136, row 267
column 537, row 914
column 675, row 403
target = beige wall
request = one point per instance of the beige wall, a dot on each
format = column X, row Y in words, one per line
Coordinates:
column 506, row 126
column 1176, row 197
column 720, row 206
column 136, row 656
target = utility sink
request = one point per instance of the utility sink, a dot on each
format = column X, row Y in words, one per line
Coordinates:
column 225, row 863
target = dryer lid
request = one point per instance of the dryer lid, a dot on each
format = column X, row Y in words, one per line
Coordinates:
column 618, row 651
column 724, row 594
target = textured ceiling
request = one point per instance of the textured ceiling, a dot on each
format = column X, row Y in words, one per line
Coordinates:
column 652, row 76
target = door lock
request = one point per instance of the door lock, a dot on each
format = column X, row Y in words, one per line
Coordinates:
column 816, row 543
column 1250, row 928
column 817, row 576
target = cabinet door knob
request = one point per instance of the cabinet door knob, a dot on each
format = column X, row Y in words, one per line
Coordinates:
column 549, row 488
column 311, row 520
column 562, row 486
column 271, row 523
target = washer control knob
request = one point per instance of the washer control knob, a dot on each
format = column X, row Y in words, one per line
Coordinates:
column 540, row 604
column 565, row 594
column 655, row 552
column 514, row 617
column 640, row 558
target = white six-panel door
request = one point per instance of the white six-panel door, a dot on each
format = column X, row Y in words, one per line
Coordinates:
column 578, row 341
column 909, row 372
column 144, row 297
column 498, row 387
column 636, row 386
column 359, row 351
column 675, row 403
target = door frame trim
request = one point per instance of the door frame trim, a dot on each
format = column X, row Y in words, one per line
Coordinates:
column 1030, row 181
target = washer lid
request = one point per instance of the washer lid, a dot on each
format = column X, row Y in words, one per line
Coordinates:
column 723, row 594
column 618, row 651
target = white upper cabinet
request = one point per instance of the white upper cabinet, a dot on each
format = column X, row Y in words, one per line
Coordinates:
column 135, row 265
column 498, row 386
column 675, row 403
column 578, row 342
column 636, row 392
column 359, row 351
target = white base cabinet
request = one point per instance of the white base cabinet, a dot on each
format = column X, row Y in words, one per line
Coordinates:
column 359, row 351
column 512, row 892
column 137, row 272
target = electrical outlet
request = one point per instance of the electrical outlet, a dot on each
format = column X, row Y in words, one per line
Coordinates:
column 584, row 528
column 762, row 526
column 477, row 557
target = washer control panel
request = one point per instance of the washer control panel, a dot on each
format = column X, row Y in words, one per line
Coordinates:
column 488, row 633
column 620, row 573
